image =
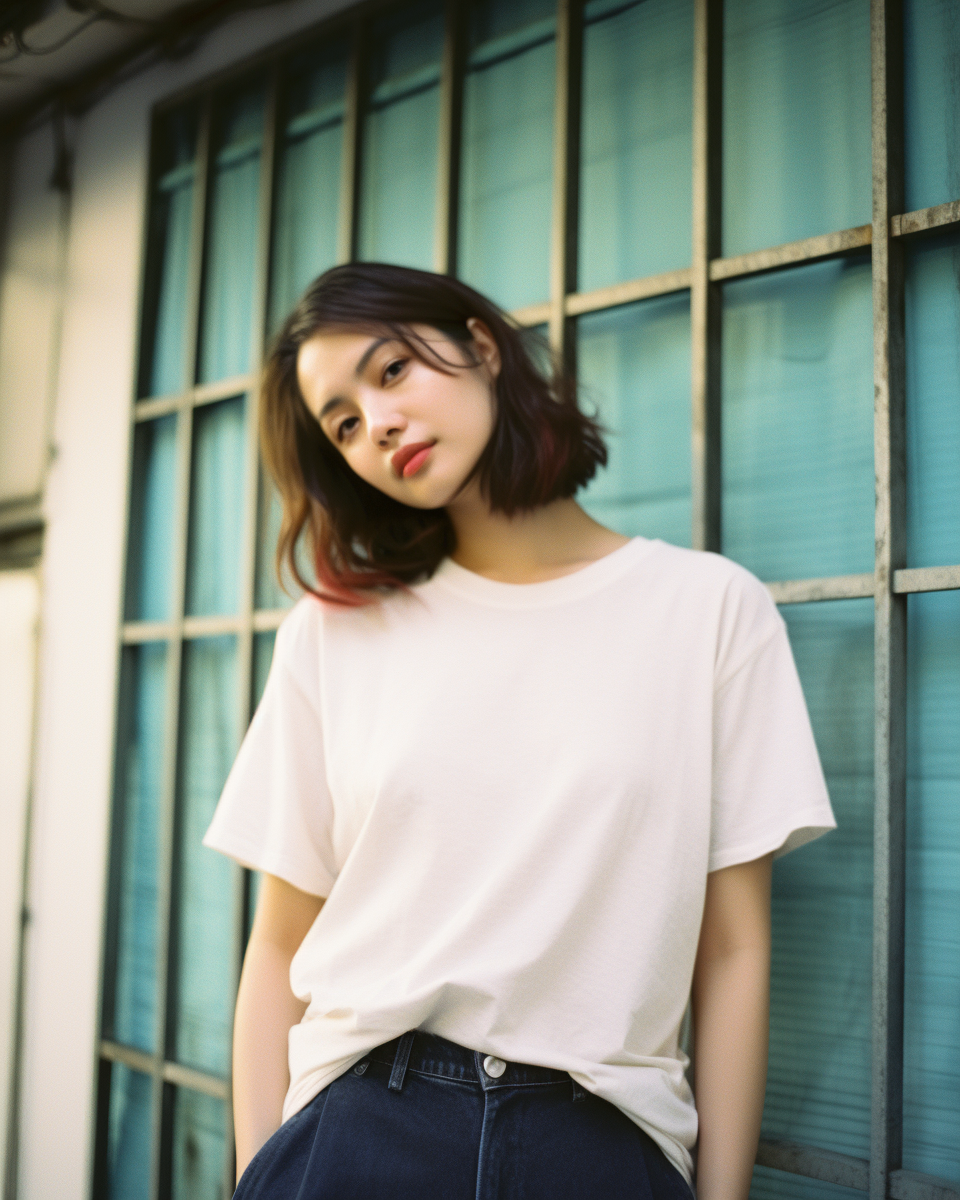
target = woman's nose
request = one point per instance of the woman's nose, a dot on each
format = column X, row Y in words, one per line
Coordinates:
column 385, row 425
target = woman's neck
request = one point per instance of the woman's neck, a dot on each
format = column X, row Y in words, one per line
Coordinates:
column 544, row 543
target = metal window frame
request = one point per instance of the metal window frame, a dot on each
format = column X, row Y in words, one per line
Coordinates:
column 890, row 583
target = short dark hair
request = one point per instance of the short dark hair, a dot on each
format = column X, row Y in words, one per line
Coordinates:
column 542, row 446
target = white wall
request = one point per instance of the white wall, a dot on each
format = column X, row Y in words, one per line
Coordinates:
column 84, row 508
column 19, row 607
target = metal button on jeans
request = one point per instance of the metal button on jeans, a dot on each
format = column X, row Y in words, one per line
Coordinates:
column 494, row 1067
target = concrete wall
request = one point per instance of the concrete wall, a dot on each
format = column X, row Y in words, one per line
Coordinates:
column 84, row 503
column 29, row 316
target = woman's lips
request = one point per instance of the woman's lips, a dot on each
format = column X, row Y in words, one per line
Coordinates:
column 409, row 459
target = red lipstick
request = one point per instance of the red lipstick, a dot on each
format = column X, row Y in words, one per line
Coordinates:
column 409, row 459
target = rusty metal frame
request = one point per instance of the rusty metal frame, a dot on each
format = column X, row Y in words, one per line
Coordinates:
column 160, row 1138
column 705, row 296
column 564, row 224
column 453, row 65
column 890, row 639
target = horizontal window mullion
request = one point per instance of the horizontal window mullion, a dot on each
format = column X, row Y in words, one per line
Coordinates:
column 214, row 626
column 206, row 393
column 627, row 293
column 912, row 1185
column 938, row 218
column 139, row 1060
column 532, row 314
column 835, row 587
column 136, row 632
column 160, row 406
column 221, row 389
column 268, row 619
column 926, row 579
column 813, row 249
column 825, row 1165
column 171, row 1072
column 196, row 1081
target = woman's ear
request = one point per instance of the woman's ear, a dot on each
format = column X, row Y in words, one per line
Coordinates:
column 485, row 344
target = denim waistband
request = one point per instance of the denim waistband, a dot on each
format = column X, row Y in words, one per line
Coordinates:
column 430, row 1054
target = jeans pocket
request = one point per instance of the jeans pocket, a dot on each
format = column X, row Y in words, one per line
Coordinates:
column 269, row 1172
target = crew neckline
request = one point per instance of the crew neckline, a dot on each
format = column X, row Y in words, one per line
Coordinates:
column 582, row 582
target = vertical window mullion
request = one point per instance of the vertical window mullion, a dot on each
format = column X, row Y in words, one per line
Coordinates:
column 566, row 171
column 167, row 815
column 451, row 121
column 704, row 295
column 165, row 846
column 258, row 334
column 891, row 610
column 352, row 149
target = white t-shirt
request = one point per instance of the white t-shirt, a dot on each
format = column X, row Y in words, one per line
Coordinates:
column 511, row 796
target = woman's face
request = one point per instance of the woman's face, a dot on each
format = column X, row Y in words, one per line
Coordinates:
column 410, row 430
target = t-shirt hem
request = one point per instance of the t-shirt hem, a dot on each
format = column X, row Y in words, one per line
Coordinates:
column 804, row 827
column 250, row 855
column 675, row 1153
column 311, row 1084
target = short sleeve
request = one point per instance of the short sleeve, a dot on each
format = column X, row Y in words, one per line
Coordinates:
column 769, row 793
column 275, row 813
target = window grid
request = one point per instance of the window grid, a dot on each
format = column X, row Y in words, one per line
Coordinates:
column 889, row 583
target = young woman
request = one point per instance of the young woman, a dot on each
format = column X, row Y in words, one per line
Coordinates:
column 515, row 785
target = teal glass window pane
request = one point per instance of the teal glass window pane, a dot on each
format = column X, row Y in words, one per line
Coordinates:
column 152, row 505
column 769, row 1184
column 506, row 183
column 818, row 1082
column 931, row 1077
column 537, row 341
column 401, row 138
column 199, row 1147
column 933, row 402
column 253, row 895
column 216, row 507
column 307, row 203
column 269, row 594
column 634, row 365
column 205, row 943
column 129, row 1133
column 931, row 37
column 165, row 332
column 226, row 327
column 262, row 657
column 798, row 487
column 636, row 147
column 796, row 120
column 130, row 1008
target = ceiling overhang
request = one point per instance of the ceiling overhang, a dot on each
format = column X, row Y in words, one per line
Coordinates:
column 65, row 52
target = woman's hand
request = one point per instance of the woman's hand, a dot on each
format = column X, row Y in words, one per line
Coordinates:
column 731, row 1019
column 266, row 1011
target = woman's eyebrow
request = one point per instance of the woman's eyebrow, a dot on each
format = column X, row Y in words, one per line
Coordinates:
column 357, row 371
column 329, row 406
column 365, row 356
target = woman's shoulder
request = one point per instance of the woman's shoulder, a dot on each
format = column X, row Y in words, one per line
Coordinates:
column 710, row 571
column 300, row 634
column 717, row 593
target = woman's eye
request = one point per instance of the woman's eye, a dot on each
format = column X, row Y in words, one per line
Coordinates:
column 393, row 369
column 345, row 428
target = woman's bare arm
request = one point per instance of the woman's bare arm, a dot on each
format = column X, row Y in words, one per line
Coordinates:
column 731, row 1017
column 266, row 1010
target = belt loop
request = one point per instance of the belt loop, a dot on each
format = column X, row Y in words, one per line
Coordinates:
column 579, row 1093
column 400, row 1061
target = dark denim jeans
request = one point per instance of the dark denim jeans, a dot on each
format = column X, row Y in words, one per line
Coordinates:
column 419, row 1118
